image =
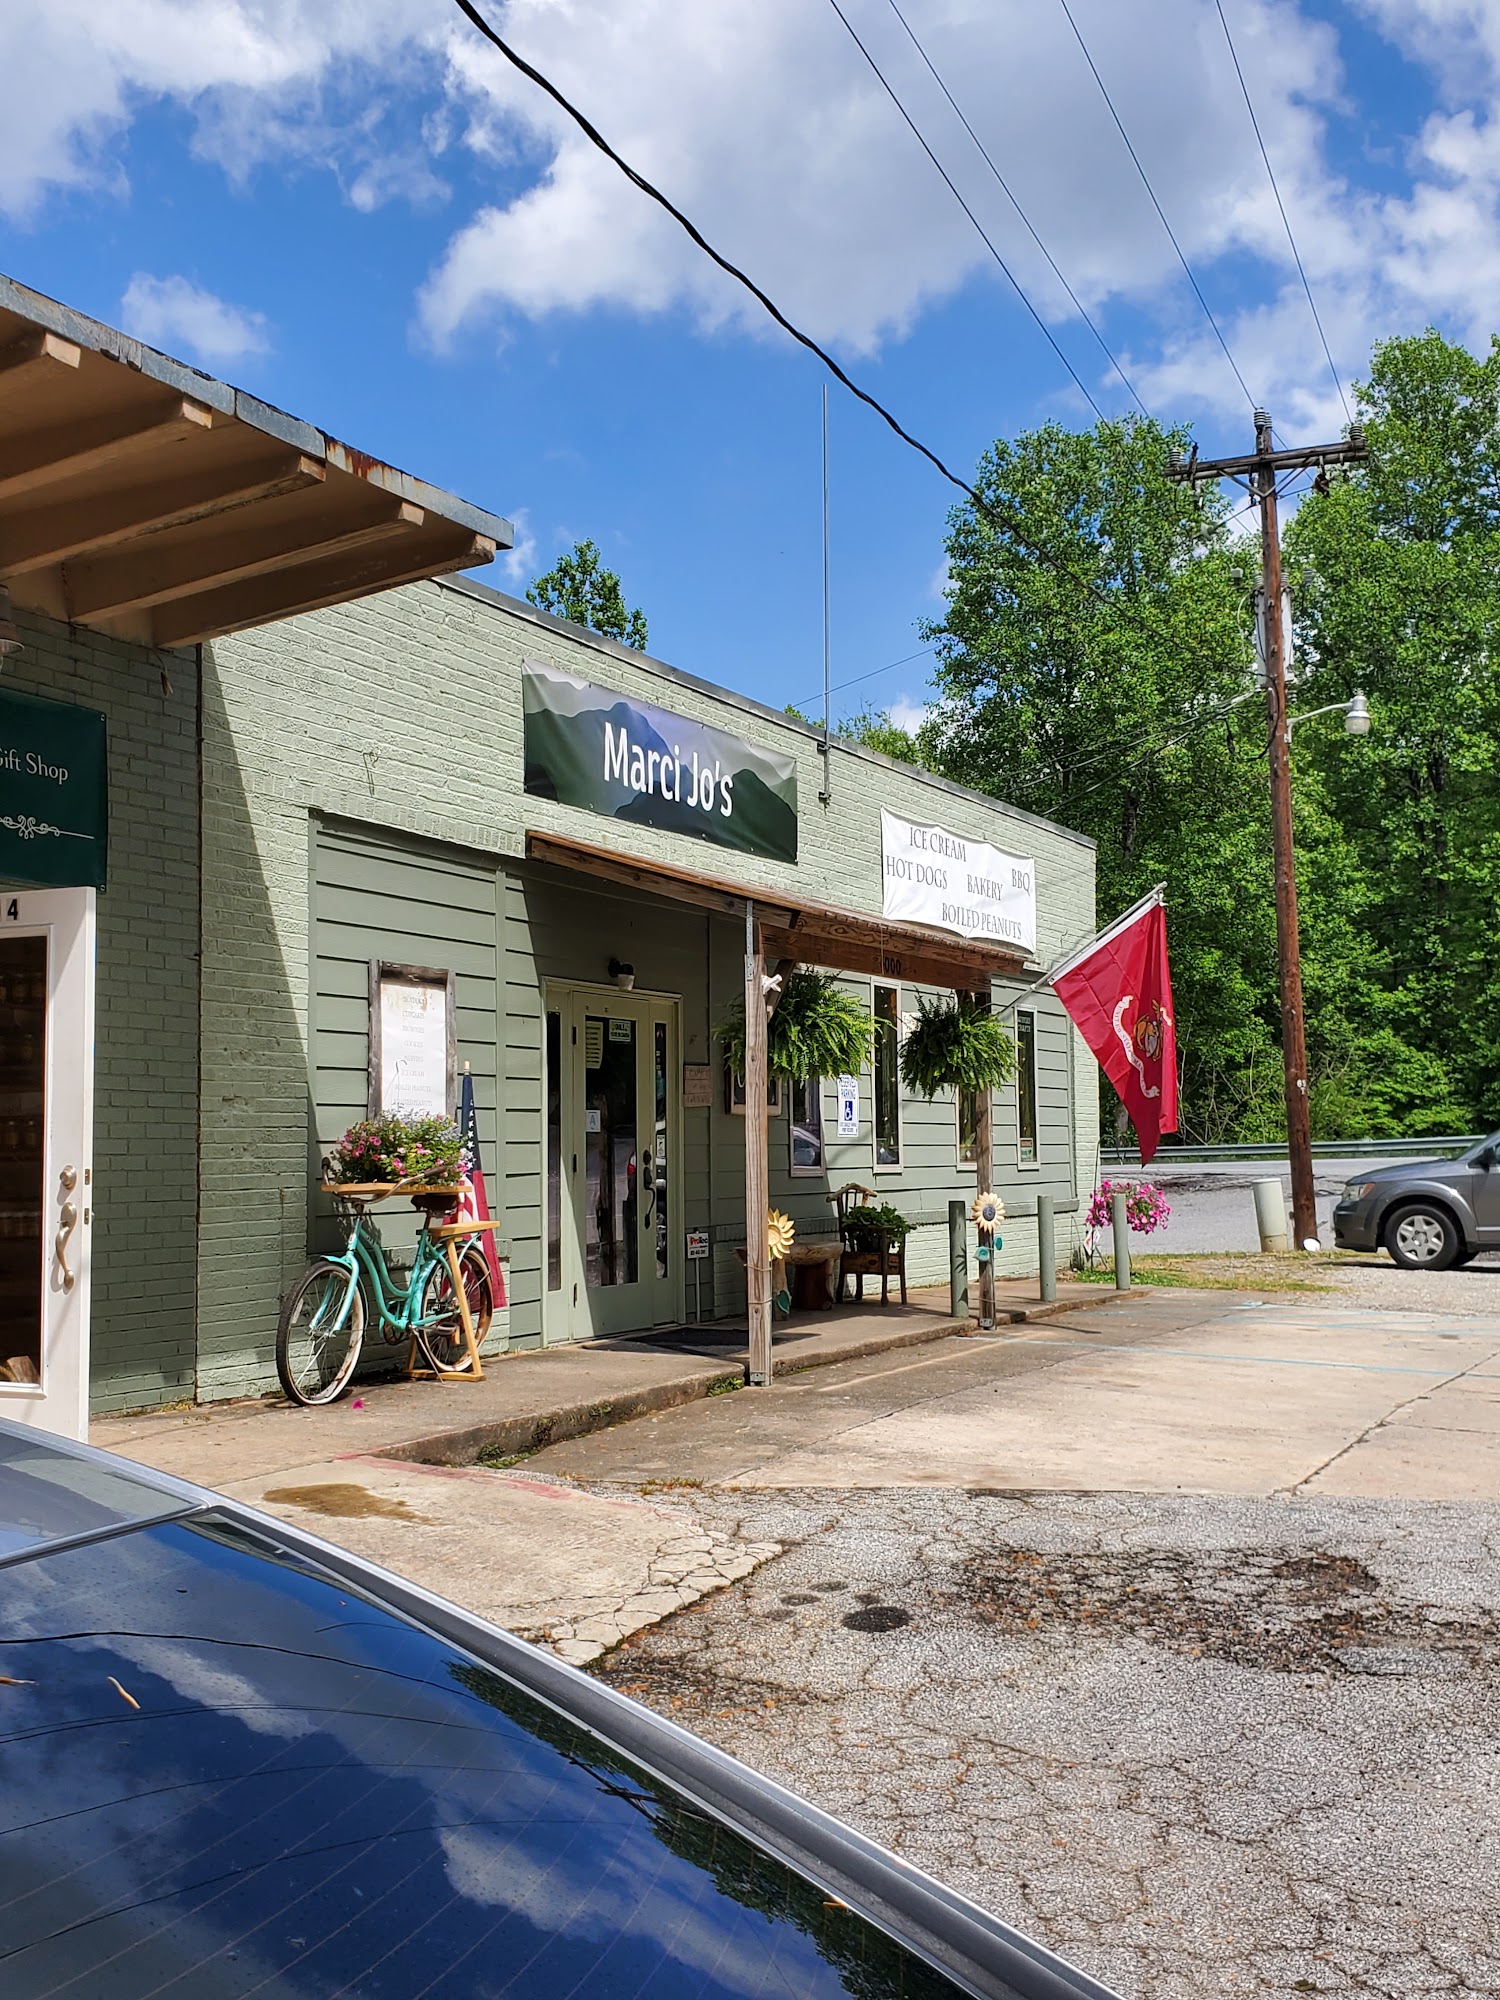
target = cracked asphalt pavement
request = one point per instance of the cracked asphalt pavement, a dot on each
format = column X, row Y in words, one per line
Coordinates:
column 1170, row 1632
column 1198, row 1744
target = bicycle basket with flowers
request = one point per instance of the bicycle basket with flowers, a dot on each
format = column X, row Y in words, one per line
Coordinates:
column 390, row 1149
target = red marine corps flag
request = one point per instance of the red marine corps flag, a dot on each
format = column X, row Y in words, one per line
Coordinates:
column 1118, row 989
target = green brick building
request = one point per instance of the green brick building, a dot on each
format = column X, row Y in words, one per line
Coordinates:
column 346, row 800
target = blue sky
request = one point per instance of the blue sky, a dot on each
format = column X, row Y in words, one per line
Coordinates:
column 356, row 212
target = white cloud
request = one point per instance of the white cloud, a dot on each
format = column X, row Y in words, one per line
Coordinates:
column 908, row 714
column 176, row 314
column 760, row 118
column 518, row 560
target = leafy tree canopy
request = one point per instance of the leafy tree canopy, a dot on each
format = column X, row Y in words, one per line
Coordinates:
column 579, row 587
column 1112, row 688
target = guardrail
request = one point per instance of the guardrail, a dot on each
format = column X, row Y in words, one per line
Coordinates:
column 1323, row 1149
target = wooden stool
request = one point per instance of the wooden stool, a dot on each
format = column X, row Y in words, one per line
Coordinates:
column 450, row 1235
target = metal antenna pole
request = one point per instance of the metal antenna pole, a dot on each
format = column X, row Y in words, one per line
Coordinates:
column 823, row 748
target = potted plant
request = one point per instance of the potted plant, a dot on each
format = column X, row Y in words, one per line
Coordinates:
column 868, row 1228
column 817, row 1030
column 388, row 1150
column 956, row 1044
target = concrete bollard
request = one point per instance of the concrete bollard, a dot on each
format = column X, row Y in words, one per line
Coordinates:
column 958, row 1260
column 1122, row 1242
column 1270, row 1214
column 1046, row 1248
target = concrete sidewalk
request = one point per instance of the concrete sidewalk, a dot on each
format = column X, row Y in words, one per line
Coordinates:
column 391, row 1473
column 530, row 1400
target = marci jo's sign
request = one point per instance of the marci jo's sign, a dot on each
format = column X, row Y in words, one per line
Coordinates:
column 932, row 876
column 597, row 748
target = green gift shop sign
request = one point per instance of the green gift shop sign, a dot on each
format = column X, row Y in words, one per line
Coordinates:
column 54, row 793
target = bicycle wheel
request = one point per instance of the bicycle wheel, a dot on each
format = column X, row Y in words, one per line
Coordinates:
column 317, row 1342
column 442, row 1331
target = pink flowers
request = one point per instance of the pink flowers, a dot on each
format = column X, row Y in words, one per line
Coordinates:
column 1146, row 1207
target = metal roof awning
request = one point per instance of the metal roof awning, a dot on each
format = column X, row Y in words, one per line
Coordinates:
column 808, row 933
column 143, row 498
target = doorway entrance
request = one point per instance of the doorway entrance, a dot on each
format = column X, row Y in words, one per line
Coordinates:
column 613, row 1208
column 46, row 1163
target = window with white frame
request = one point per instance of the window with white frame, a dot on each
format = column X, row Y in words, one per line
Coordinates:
column 887, row 1091
column 806, row 1125
column 1026, row 1089
column 968, row 1127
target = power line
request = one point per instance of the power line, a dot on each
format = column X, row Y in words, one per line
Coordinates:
column 994, row 517
column 1161, row 212
column 889, row 667
column 1285, row 218
column 1009, row 194
column 979, row 227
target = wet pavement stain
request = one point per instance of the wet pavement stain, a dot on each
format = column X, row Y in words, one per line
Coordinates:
column 1251, row 1607
column 342, row 1501
column 877, row 1618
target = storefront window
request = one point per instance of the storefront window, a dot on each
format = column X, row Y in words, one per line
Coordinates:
column 1026, row 1088
column 968, row 1127
column 660, row 1180
column 554, row 1150
column 887, row 1076
column 807, row 1126
column 612, row 1242
column 23, row 1078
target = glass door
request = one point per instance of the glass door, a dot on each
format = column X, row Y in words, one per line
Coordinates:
column 612, row 1258
column 46, row 1170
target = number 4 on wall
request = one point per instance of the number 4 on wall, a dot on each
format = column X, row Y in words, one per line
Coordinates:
column 13, row 910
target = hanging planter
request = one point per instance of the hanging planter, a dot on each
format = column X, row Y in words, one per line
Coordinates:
column 956, row 1045
column 817, row 1030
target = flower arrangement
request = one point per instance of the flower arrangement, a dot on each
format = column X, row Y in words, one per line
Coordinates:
column 1146, row 1207
column 866, row 1225
column 956, row 1045
column 390, row 1148
column 817, row 1030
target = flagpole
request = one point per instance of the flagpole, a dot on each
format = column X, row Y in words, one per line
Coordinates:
column 1070, row 959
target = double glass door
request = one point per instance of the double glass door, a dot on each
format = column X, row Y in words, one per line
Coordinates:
column 46, row 1171
column 613, row 1211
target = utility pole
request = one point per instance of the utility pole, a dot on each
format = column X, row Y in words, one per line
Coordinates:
column 1258, row 473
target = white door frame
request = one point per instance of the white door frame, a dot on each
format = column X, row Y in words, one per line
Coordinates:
column 66, row 918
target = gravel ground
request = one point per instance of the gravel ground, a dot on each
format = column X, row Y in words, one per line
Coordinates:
column 1377, row 1282
column 1201, row 1746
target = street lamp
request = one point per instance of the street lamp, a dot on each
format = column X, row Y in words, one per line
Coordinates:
column 1355, row 711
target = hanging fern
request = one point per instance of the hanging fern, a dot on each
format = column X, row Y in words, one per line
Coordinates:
column 956, row 1045
column 817, row 1030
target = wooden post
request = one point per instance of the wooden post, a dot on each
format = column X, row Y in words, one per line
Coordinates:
column 757, row 1164
column 984, row 1174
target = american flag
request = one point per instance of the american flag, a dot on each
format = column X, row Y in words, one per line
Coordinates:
column 474, row 1202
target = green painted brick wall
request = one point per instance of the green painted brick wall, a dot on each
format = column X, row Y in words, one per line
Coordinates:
column 146, row 1023
column 401, row 715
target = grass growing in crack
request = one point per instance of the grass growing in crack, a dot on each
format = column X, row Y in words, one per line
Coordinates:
column 725, row 1386
column 502, row 1461
column 670, row 1485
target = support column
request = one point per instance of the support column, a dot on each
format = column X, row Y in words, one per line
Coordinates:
column 757, row 1163
column 984, row 1172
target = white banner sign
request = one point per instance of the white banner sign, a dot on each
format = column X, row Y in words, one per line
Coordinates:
column 932, row 876
column 414, row 1081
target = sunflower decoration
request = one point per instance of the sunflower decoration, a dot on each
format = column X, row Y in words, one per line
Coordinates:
column 780, row 1233
column 988, row 1213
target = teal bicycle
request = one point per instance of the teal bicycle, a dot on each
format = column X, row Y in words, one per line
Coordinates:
column 321, row 1332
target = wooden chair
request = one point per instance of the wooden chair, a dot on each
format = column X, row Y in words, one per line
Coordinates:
column 888, row 1260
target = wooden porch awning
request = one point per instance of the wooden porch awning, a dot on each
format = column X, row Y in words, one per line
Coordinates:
column 143, row 498
column 810, row 933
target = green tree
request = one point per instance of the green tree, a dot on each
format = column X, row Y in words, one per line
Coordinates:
column 1103, row 688
column 1399, row 567
column 581, row 588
